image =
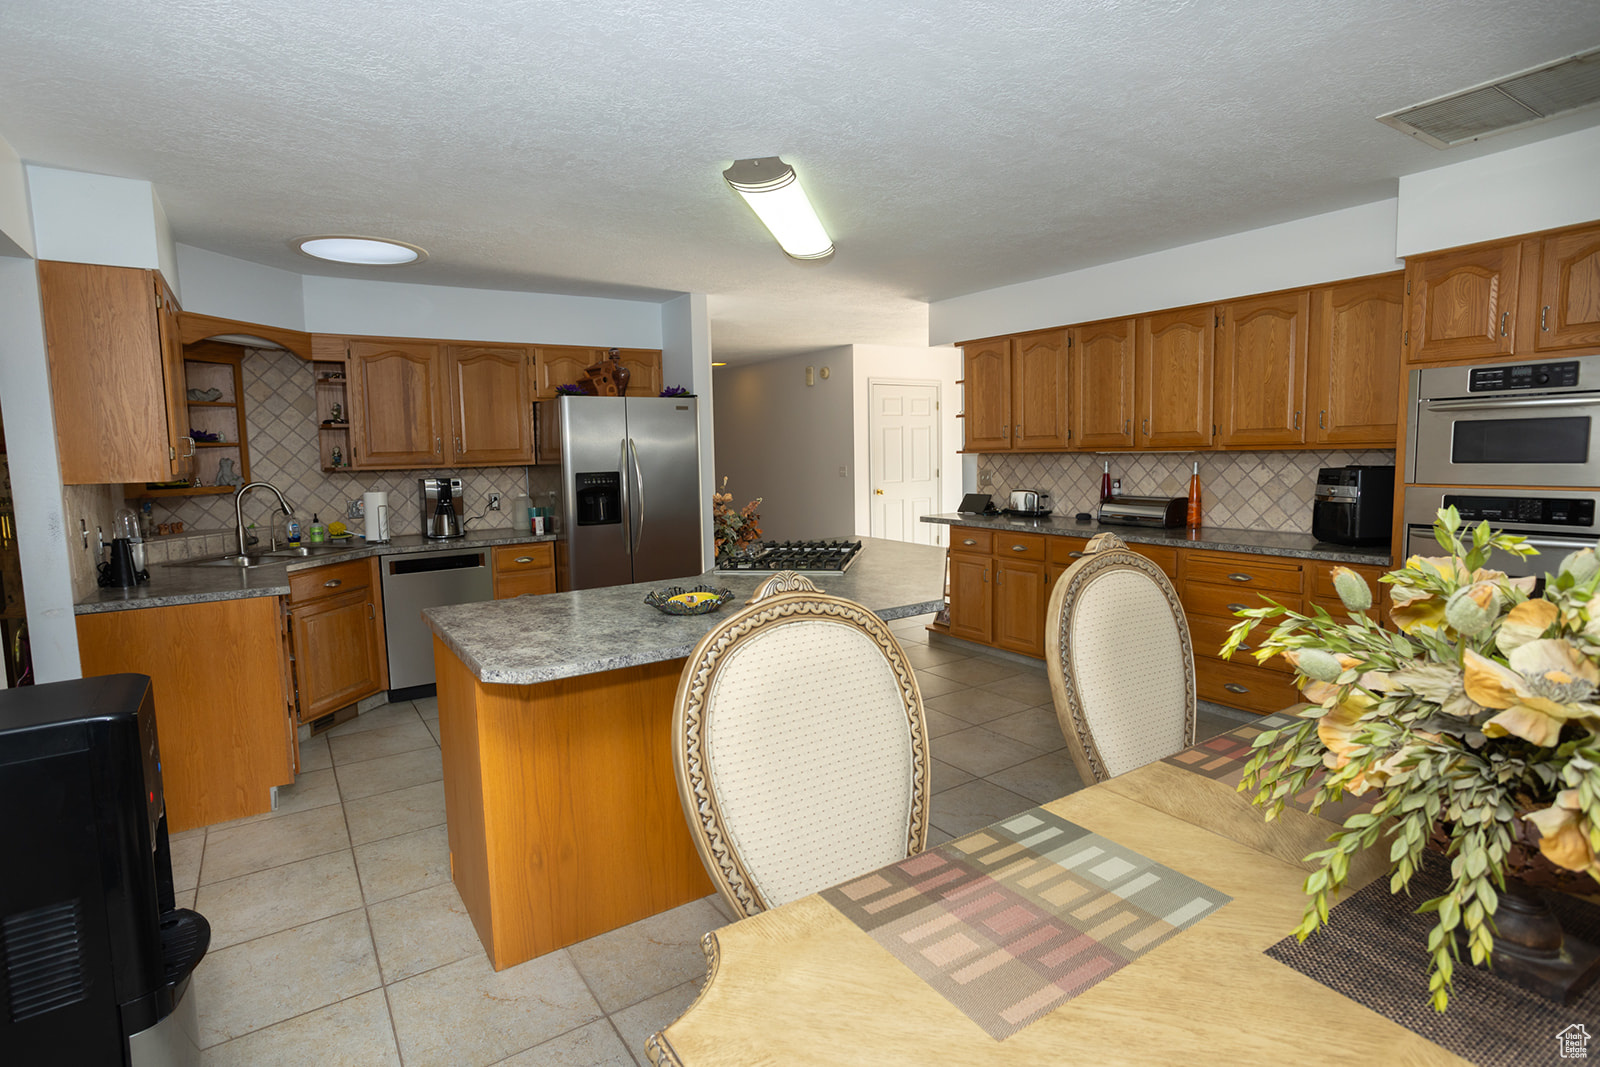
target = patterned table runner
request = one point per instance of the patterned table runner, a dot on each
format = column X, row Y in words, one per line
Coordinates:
column 1223, row 759
column 1009, row 922
column 1374, row 951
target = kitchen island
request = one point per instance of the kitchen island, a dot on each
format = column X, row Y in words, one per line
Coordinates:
column 555, row 719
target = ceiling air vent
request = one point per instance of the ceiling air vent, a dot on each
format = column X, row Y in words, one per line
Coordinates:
column 1506, row 104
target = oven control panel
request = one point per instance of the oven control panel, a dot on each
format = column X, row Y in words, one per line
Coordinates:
column 1562, row 375
column 1531, row 510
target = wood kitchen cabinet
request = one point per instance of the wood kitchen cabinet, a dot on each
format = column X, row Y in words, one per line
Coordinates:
column 998, row 588
column 1016, row 393
column 971, row 592
column 1464, row 304
column 524, row 570
column 1101, row 375
column 1353, row 382
column 558, row 365
column 1569, row 290
column 490, row 403
column 116, row 374
column 1260, row 383
column 1175, row 366
column 1217, row 584
column 395, row 413
column 644, row 364
column 216, row 676
column 336, row 621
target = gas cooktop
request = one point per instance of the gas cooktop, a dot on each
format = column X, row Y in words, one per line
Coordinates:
column 821, row 557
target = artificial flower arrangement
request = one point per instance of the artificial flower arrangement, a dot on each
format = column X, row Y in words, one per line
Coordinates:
column 1479, row 723
column 733, row 528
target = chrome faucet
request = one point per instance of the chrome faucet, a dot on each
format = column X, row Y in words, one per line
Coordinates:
column 238, row 508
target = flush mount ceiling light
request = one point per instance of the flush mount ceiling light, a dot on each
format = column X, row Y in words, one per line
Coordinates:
column 772, row 190
column 365, row 251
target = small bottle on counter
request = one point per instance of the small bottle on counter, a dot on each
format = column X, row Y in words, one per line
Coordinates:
column 1105, row 483
column 318, row 532
column 1193, row 522
column 292, row 532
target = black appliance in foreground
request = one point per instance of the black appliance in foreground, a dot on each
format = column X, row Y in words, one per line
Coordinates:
column 96, row 959
column 1354, row 505
column 819, row 557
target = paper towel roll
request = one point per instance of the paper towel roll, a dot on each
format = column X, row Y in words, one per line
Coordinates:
column 375, row 508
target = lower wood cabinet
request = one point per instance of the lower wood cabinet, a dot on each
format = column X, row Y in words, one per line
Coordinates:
column 524, row 570
column 1000, row 585
column 217, row 678
column 336, row 627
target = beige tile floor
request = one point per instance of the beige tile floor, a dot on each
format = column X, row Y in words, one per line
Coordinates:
column 338, row 938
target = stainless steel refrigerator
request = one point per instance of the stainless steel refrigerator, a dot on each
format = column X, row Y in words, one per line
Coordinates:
column 630, row 478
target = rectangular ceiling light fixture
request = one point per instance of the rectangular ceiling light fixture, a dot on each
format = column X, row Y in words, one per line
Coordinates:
column 772, row 190
column 1507, row 103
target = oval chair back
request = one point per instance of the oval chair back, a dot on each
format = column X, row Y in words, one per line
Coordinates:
column 1120, row 663
column 800, row 746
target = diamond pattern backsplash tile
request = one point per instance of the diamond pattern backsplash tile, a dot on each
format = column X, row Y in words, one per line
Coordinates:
column 281, row 420
column 1238, row 490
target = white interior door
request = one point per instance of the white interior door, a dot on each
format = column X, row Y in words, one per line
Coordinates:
column 903, row 460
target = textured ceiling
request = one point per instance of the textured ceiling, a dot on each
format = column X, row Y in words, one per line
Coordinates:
column 575, row 147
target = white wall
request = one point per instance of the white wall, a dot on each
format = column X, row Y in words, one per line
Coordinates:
column 16, row 222
column 229, row 288
column 784, row 441
column 405, row 309
column 1554, row 182
column 42, row 534
column 95, row 218
column 1340, row 244
column 885, row 362
column 686, row 361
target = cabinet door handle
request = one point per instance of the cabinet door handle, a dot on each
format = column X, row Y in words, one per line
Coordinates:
column 1234, row 687
column 189, row 454
column 1127, row 425
column 1240, row 576
column 1297, row 420
column 1019, row 548
column 371, row 615
column 459, row 449
column 524, row 559
column 1544, row 318
column 1321, row 415
column 1146, row 426
column 968, row 541
column 1504, row 315
column 1236, row 607
column 1075, row 555
column 438, row 447
column 1246, row 648
column 333, row 583
column 986, row 574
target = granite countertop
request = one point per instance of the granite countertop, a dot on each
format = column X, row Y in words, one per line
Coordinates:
column 1207, row 538
column 534, row 639
column 179, row 583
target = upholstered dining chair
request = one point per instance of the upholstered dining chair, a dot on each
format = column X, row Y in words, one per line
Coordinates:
column 1120, row 663
column 800, row 745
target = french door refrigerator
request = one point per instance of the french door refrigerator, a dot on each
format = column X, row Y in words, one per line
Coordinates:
column 630, row 473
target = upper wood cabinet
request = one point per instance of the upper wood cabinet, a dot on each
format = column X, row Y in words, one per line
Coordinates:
column 986, row 414
column 1016, row 393
column 1353, row 387
column 1100, row 373
column 1569, row 290
column 395, row 417
column 1262, row 348
column 1463, row 305
column 116, row 374
column 645, row 366
column 491, row 410
column 1175, row 355
column 558, row 365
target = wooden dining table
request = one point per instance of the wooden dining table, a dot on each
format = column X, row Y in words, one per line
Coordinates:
column 802, row 984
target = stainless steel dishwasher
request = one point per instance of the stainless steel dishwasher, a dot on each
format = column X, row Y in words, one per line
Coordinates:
column 426, row 580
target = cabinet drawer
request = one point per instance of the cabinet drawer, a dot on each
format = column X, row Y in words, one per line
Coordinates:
column 966, row 539
column 1242, row 573
column 1239, row 685
column 1207, row 633
column 333, row 580
column 1322, row 578
column 516, row 559
column 1162, row 556
column 525, row 583
column 1019, row 545
column 1221, row 601
column 1066, row 550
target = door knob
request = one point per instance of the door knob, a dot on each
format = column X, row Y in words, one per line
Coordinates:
column 878, row 491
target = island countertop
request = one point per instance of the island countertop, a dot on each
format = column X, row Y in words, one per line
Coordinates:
column 532, row 639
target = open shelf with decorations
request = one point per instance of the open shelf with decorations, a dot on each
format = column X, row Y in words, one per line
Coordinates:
column 214, row 391
column 333, row 414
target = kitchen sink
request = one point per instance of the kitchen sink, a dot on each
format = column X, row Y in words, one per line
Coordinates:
column 236, row 562
column 300, row 551
column 278, row 556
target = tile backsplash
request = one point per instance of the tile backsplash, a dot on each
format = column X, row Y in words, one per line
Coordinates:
column 1238, row 490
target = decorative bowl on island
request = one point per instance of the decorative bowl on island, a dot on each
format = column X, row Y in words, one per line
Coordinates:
column 676, row 600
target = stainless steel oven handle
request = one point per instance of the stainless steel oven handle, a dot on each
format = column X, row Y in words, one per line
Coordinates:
column 1584, row 400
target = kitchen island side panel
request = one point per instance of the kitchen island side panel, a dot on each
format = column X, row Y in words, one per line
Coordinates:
column 562, row 804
